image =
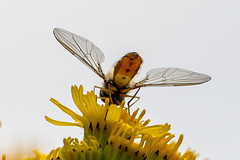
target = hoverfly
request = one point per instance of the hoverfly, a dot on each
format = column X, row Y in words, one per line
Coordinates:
column 119, row 81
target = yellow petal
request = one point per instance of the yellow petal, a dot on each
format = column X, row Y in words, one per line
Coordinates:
column 155, row 130
column 61, row 123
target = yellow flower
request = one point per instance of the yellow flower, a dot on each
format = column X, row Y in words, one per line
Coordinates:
column 4, row 157
column 20, row 155
column 39, row 156
column 110, row 133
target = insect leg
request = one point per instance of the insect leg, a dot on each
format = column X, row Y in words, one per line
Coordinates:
column 104, row 89
column 134, row 96
column 98, row 88
column 102, row 98
column 110, row 93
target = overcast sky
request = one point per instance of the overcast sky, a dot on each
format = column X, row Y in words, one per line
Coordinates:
column 200, row 35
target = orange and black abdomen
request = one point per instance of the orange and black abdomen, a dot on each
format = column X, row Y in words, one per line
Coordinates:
column 126, row 69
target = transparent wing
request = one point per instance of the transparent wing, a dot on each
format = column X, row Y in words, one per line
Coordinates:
column 172, row 77
column 82, row 49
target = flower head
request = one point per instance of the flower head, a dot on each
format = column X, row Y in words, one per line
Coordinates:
column 111, row 133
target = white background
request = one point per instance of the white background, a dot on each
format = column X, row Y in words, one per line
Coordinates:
column 200, row 35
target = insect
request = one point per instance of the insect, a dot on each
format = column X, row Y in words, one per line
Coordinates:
column 120, row 80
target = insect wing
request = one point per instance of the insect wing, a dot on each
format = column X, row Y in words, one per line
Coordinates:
column 82, row 49
column 172, row 77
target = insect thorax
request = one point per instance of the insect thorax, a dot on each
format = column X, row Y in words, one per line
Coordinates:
column 117, row 94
